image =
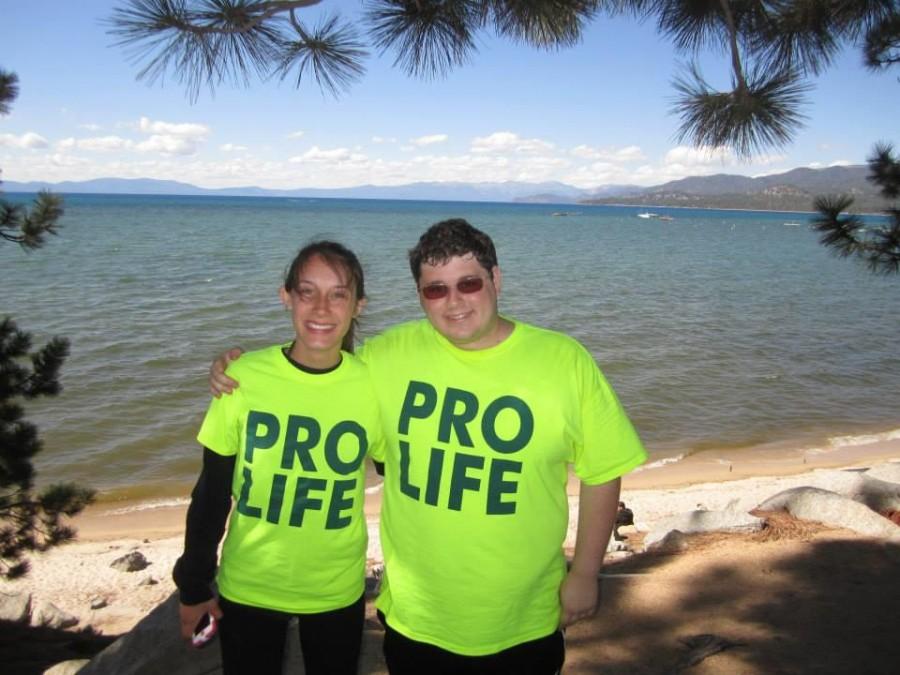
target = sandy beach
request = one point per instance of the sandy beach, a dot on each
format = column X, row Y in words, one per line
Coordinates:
column 783, row 595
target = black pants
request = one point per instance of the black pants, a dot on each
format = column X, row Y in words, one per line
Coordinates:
column 543, row 656
column 253, row 639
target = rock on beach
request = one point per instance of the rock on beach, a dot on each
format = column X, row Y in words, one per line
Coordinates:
column 830, row 508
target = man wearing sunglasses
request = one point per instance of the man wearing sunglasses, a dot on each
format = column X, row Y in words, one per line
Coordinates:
column 484, row 415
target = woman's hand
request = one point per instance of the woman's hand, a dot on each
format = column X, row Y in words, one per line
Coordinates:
column 190, row 615
column 219, row 382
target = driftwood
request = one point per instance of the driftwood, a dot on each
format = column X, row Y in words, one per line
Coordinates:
column 701, row 647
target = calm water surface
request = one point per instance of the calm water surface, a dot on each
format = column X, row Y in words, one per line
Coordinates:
column 718, row 329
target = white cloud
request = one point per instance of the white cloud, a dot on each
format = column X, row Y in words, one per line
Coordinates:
column 630, row 153
column 295, row 135
column 316, row 154
column 699, row 157
column 148, row 126
column 506, row 141
column 28, row 140
column 599, row 173
column 159, row 149
column 96, row 144
column 168, row 145
column 90, row 127
column 825, row 165
column 768, row 160
column 422, row 141
column 66, row 161
column 337, row 155
column 169, row 138
column 615, row 165
column 482, row 167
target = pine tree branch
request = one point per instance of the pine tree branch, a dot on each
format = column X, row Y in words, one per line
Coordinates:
column 430, row 37
column 544, row 24
column 9, row 90
column 737, row 69
column 839, row 233
column 220, row 17
column 46, row 364
column 331, row 53
column 884, row 170
column 29, row 229
column 763, row 114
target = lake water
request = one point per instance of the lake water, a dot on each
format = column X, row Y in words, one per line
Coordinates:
column 718, row 329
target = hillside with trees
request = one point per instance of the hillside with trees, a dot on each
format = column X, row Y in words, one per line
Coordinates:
column 794, row 190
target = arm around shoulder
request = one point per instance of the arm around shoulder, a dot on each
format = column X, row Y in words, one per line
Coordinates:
column 219, row 382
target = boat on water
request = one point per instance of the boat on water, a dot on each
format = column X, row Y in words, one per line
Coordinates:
column 647, row 214
column 666, row 218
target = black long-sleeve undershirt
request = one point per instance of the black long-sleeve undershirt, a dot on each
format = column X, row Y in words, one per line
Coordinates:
column 206, row 517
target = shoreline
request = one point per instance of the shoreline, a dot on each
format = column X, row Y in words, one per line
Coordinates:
column 77, row 576
column 825, row 449
column 164, row 517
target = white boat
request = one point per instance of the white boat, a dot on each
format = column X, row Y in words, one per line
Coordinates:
column 646, row 214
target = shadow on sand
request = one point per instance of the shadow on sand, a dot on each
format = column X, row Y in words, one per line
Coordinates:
column 829, row 605
column 817, row 601
column 29, row 650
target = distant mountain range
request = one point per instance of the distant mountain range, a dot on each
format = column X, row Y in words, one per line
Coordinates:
column 791, row 191
column 473, row 192
column 794, row 190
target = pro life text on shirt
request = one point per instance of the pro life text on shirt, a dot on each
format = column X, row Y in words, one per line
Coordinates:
column 490, row 477
column 304, row 442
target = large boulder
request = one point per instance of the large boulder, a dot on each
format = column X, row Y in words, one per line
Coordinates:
column 49, row 615
column 130, row 562
column 674, row 541
column 889, row 471
column 15, row 607
column 878, row 495
column 830, row 508
column 67, row 667
column 155, row 646
column 703, row 521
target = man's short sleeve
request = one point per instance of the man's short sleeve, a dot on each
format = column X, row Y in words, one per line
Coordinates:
column 609, row 446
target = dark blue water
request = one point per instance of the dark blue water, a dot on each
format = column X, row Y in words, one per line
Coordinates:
column 719, row 329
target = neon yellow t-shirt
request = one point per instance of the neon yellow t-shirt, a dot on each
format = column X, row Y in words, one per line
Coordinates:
column 475, row 509
column 297, row 535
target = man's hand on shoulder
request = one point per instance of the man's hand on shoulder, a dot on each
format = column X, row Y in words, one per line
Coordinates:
column 219, row 382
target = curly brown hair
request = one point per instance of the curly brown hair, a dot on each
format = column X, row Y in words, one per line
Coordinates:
column 448, row 239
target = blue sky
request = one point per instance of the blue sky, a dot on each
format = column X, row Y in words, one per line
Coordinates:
column 591, row 115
